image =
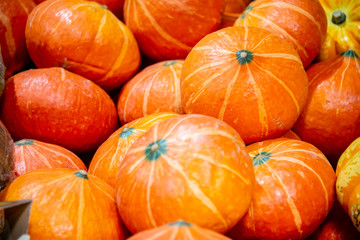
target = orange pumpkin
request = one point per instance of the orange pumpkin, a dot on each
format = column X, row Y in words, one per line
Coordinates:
column 292, row 135
column 343, row 31
column 181, row 169
column 106, row 50
column 169, row 29
column 67, row 204
column 331, row 116
column 348, row 181
column 13, row 16
column 249, row 78
column 32, row 154
column 178, row 230
column 232, row 11
column 302, row 23
column 154, row 89
column 107, row 159
column 59, row 107
column 294, row 191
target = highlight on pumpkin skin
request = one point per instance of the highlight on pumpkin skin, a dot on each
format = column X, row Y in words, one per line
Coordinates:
column 67, row 202
column 181, row 169
column 178, row 230
column 32, row 154
column 108, row 157
column 306, row 33
column 155, row 89
column 293, row 179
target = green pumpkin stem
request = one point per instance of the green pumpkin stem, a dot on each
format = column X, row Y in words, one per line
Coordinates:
column 338, row 17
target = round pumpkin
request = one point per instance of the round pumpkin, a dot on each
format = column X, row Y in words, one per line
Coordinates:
column 293, row 194
column 178, row 230
column 82, row 37
column 190, row 167
column 108, row 157
column 348, row 181
column 59, row 107
column 343, row 31
column 32, row 154
column 331, row 117
column 301, row 23
column 13, row 16
column 169, row 29
column 232, row 11
column 6, row 157
column 154, row 89
column 249, row 78
column 67, row 204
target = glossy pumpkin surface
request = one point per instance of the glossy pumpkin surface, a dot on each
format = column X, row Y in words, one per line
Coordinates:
column 107, row 159
column 245, row 77
column 154, row 89
column 294, row 191
column 67, row 204
column 181, row 169
column 301, row 23
column 106, row 50
column 32, row 154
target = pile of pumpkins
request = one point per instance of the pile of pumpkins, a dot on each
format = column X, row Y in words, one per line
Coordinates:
column 169, row 119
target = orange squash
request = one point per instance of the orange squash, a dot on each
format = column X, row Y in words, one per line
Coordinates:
column 67, row 204
column 181, row 169
column 178, row 230
column 343, row 31
column 232, row 11
column 59, row 107
column 106, row 50
column 154, row 89
column 169, row 29
column 294, row 191
column 32, row 154
column 249, row 78
column 331, row 117
column 348, row 181
column 108, row 157
column 302, row 23
column 13, row 16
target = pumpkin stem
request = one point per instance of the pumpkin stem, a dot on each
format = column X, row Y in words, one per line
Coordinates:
column 82, row 174
column 261, row 158
column 24, row 142
column 244, row 56
column 154, row 150
column 350, row 53
column 338, row 17
column 180, row 223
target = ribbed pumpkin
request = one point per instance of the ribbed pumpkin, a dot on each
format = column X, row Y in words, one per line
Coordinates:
column 249, row 78
column 154, row 89
column 108, row 157
column 32, row 154
column 178, row 230
column 302, row 23
column 190, row 167
column 82, row 37
column 169, row 29
column 67, row 204
column 294, row 191
column 343, row 31
column 6, row 157
column 13, row 16
column 331, row 116
column 232, row 11
column 59, row 107
column 348, row 181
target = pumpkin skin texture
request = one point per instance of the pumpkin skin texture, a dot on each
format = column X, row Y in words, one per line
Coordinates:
column 232, row 11
column 343, row 31
column 32, row 154
column 13, row 16
column 331, row 117
column 348, row 181
column 178, row 230
column 154, row 89
column 108, row 157
column 233, row 75
column 59, row 107
column 294, row 191
column 67, row 204
column 301, row 23
column 181, row 169
column 6, row 157
column 169, row 29
column 106, row 50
